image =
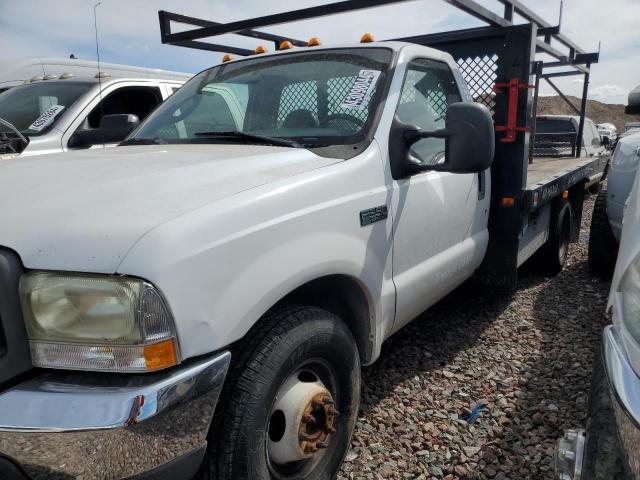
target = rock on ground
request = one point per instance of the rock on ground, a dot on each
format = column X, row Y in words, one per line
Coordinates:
column 524, row 357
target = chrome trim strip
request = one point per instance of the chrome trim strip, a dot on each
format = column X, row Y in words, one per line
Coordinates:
column 59, row 406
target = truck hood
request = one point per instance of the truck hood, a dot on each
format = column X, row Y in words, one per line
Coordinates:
column 83, row 211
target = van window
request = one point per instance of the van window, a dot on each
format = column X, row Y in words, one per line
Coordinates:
column 138, row 100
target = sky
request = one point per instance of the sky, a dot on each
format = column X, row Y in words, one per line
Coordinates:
column 129, row 32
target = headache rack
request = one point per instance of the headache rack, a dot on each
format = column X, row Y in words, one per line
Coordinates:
column 503, row 64
column 480, row 66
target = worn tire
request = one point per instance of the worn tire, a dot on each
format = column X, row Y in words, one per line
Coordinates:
column 603, row 246
column 552, row 256
column 603, row 455
column 282, row 341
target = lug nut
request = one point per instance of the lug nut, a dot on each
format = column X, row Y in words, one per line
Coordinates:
column 322, row 444
column 307, row 417
column 328, row 401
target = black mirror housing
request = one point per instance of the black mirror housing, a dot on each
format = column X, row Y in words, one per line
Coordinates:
column 469, row 142
column 113, row 128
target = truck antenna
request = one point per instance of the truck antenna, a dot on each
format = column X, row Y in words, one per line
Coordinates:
column 95, row 27
column 560, row 16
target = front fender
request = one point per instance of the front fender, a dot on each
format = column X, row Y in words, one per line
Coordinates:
column 222, row 268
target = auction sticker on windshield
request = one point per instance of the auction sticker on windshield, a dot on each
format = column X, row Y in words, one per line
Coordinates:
column 46, row 118
column 361, row 89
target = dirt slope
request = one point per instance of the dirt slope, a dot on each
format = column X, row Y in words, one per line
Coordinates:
column 597, row 111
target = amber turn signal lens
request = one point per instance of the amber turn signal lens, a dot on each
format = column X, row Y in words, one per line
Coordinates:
column 314, row 42
column 367, row 38
column 285, row 45
column 227, row 58
column 565, row 194
column 508, row 201
column 260, row 49
column 160, row 355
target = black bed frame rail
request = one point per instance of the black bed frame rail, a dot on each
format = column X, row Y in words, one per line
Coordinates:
column 499, row 53
column 571, row 59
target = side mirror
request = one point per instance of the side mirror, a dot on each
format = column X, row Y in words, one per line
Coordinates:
column 469, row 142
column 113, row 128
column 632, row 109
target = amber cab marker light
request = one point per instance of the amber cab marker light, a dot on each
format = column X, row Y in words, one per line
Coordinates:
column 508, row 201
column 260, row 49
column 160, row 355
column 367, row 38
column 227, row 58
column 285, row 45
column 565, row 194
column 314, row 42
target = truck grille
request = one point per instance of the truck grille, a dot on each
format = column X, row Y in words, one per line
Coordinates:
column 14, row 347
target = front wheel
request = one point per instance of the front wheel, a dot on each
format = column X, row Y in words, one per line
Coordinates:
column 290, row 400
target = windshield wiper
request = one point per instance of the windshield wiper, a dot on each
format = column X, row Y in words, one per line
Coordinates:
column 15, row 130
column 280, row 142
column 143, row 141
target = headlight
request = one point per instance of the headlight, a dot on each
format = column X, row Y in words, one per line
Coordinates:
column 629, row 294
column 97, row 322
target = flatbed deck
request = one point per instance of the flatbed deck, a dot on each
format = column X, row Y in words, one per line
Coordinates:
column 546, row 168
column 548, row 176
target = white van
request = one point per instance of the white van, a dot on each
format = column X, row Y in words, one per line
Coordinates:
column 15, row 72
column 73, row 112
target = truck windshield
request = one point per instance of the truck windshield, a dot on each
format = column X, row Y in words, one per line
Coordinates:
column 327, row 97
column 34, row 108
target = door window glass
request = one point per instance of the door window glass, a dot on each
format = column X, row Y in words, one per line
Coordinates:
column 429, row 88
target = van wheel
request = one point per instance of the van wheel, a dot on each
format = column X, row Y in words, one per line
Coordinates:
column 603, row 246
column 553, row 254
column 603, row 459
column 290, row 400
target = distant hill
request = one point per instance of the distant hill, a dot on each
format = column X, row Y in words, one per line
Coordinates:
column 597, row 111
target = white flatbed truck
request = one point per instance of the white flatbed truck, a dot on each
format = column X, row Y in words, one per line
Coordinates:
column 201, row 298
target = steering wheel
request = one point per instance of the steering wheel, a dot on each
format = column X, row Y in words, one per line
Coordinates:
column 345, row 117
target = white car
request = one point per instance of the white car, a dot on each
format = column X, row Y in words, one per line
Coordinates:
column 606, row 222
column 608, row 449
column 608, row 131
column 629, row 126
column 67, row 113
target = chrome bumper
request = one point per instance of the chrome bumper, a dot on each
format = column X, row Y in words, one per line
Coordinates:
column 625, row 388
column 68, row 425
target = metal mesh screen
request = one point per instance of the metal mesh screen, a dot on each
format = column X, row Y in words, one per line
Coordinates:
column 481, row 74
column 298, row 96
column 436, row 97
column 337, row 90
column 304, row 96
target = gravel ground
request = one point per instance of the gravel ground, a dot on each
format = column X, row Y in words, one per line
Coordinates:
column 526, row 358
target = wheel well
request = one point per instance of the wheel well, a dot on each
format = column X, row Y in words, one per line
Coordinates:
column 345, row 297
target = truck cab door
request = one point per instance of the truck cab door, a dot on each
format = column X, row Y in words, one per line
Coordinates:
column 440, row 218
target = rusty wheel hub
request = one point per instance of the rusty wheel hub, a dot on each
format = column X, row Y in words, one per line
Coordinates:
column 317, row 423
column 302, row 419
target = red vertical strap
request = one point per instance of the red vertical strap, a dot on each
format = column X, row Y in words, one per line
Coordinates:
column 511, row 128
column 512, row 114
